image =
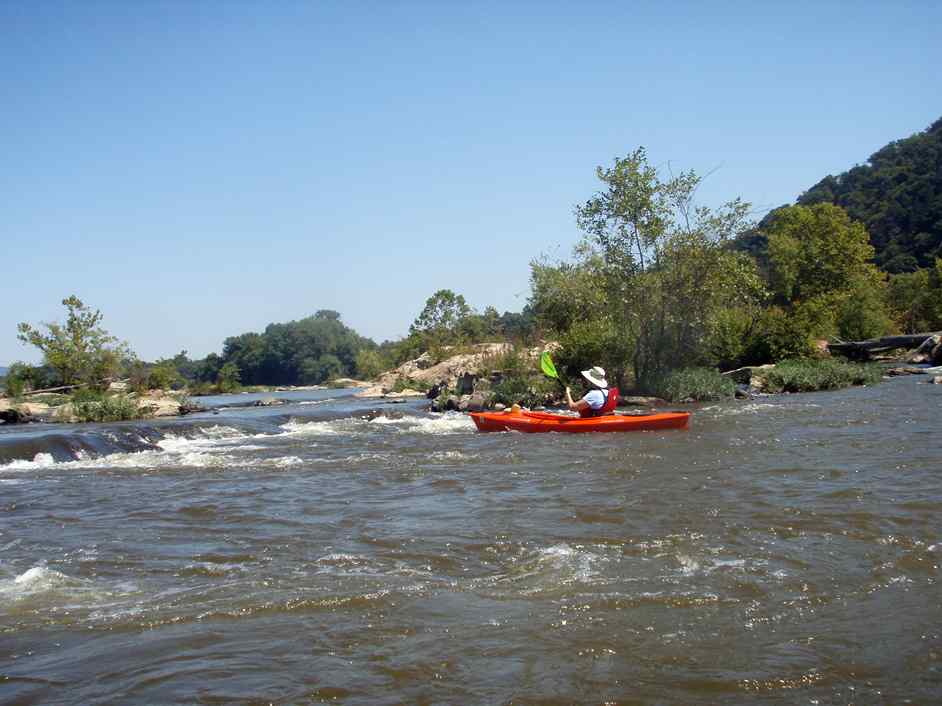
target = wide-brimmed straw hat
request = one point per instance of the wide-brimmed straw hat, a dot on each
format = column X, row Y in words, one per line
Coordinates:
column 596, row 376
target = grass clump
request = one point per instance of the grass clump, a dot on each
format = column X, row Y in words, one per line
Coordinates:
column 806, row 375
column 94, row 406
column 694, row 384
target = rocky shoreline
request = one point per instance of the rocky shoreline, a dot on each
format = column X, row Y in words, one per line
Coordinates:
column 455, row 383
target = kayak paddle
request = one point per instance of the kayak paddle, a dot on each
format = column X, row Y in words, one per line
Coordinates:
column 549, row 370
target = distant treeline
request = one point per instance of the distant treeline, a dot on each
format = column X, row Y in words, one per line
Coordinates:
column 320, row 348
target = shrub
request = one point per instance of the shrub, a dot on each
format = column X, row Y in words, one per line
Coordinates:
column 369, row 364
column 730, row 336
column 529, row 390
column 698, row 384
column 94, row 406
column 164, row 376
column 781, row 335
column 408, row 383
column 810, row 375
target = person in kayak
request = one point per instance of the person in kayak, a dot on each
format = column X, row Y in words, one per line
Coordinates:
column 599, row 400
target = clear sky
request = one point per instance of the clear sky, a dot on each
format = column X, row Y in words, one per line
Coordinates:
column 199, row 169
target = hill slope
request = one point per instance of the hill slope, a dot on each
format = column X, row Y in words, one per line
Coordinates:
column 897, row 194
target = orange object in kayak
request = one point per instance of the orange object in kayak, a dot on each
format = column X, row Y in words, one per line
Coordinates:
column 534, row 422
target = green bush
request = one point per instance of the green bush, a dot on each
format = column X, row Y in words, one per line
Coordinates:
column 594, row 342
column 370, row 364
column 780, row 335
column 807, row 375
column 94, row 406
column 164, row 376
column 730, row 336
column 411, row 384
column 697, row 384
column 528, row 390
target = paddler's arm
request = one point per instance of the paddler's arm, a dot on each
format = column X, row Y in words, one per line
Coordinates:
column 579, row 406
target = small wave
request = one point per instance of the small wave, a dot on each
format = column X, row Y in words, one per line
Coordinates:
column 40, row 583
column 448, row 423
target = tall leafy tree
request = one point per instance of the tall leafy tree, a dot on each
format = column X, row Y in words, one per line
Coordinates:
column 666, row 272
column 820, row 269
column 79, row 350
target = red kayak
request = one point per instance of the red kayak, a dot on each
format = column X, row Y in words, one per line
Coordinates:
column 534, row 422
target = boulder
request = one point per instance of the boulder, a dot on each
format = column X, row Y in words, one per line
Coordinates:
column 14, row 415
column 927, row 350
column 159, row 407
column 896, row 372
column 936, row 380
column 372, row 391
column 340, row 383
column 452, row 402
column 405, row 393
column 639, row 401
column 465, row 383
column 752, row 375
column 478, row 402
column 268, row 402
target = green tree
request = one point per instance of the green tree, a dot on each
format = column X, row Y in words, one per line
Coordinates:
column 80, row 350
column 440, row 321
column 820, row 268
column 370, row 364
column 667, row 272
column 915, row 299
column 817, row 250
column 164, row 376
column 228, row 378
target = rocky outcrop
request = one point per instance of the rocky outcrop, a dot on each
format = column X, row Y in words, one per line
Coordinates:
column 23, row 412
column 459, row 372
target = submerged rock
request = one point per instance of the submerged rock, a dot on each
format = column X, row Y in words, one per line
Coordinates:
column 639, row 401
column 268, row 402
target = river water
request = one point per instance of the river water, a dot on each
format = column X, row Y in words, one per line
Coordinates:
column 782, row 550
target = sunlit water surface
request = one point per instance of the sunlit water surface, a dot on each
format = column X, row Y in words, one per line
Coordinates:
column 783, row 550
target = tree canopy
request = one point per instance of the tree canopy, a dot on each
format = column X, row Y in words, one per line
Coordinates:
column 80, row 351
column 306, row 352
column 897, row 195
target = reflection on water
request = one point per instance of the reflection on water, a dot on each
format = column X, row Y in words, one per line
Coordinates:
column 783, row 550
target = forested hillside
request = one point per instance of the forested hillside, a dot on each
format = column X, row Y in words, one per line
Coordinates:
column 897, row 195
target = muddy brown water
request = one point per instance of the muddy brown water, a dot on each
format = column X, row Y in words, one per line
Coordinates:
column 782, row 550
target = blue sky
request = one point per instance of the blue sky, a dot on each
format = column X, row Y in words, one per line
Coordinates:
column 199, row 169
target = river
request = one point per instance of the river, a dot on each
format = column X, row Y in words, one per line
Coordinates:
column 783, row 549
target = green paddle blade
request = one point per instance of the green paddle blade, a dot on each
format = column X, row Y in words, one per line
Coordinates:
column 546, row 363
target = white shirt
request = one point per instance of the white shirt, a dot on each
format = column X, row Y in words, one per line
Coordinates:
column 596, row 399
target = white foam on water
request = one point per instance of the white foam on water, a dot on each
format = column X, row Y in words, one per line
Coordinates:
column 688, row 565
column 448, row 423
column 571, row 563
column 331, row 428
column 40, row 460
column 450, row 456
column 37, row 581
